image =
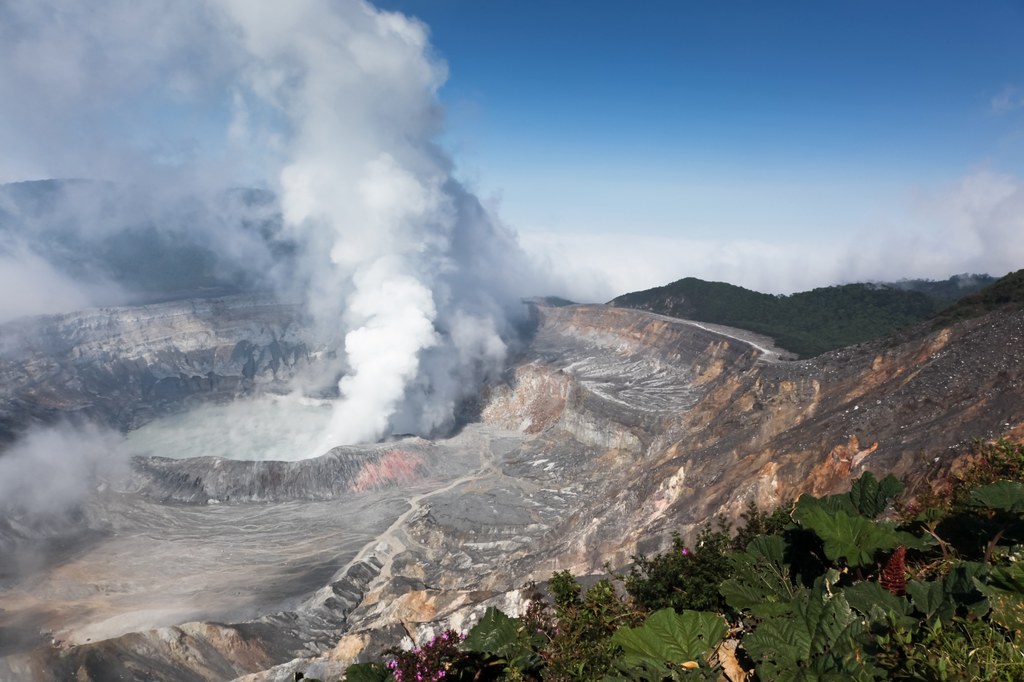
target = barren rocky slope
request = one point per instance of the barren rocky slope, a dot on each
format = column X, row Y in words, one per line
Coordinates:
column 614, row 428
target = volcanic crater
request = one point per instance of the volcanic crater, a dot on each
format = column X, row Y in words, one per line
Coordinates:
column 610, row 429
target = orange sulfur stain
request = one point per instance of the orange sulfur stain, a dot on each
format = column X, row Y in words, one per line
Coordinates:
column 396, row 466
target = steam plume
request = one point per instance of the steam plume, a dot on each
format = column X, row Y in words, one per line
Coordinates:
column 331, row 105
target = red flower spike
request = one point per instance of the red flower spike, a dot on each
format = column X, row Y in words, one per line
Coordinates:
column 894, row 574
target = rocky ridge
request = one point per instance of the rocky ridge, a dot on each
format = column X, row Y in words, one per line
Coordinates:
column 123, row 366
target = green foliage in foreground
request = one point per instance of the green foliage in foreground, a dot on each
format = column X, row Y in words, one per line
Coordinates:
column 669, row 643
column 841, row 588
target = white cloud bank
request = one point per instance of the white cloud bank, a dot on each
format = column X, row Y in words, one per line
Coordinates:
column 974, row 225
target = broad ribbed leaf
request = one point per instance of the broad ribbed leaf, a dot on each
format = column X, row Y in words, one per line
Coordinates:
column 940, row 599
column 960, row 585
column 864, row 595
column 1004, row 496
column 930, row 599
column 1004, row 588
column 870, row 497
column 1009, row 577
column 667, row 636
column 786, row 648
column 496, row 633
column 755, row 599
column 1007, row 608
column 878, row 604
column 831, row 503
column 761, row 582
column 921, row 542
column 854, row 539
column 770, row 548
column 779, row 644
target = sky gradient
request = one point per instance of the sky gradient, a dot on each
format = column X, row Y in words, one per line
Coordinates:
column 720, row 126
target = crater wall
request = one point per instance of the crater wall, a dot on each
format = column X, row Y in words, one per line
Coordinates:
column 123, row 366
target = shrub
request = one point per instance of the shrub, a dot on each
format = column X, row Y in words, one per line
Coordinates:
column 580, row 647
column 683, row 578
column 757, row 522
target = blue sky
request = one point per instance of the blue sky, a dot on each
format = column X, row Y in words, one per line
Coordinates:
column 707, row 121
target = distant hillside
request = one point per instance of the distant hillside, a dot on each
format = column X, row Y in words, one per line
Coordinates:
column 811, row 322
column 1006, row 292
column 945, row 292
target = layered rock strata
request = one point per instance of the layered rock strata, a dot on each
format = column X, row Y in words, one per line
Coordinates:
column 123, row 366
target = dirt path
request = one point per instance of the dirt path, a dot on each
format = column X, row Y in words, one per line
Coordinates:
column 389, row 544
column 769, row 351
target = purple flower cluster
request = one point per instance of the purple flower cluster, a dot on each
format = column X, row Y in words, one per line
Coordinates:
column 430, row 662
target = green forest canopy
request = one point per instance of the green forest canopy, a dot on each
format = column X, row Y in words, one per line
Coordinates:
column 813, row 322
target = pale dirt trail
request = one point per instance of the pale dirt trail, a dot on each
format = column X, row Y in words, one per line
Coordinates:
column 763, row 344
column 389, row 544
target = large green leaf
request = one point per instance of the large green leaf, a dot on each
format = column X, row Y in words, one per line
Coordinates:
column 761, row 603
column 768, row 548
column 496, row 633
column 367, row 672
column 957, row 590
column 863, row 596
column 820, row 639
column 870, row 496
column 830, row 503
column 670, row 637
column 922, row 542
column 502, row 638
column 930, row 599
column 881, row 608
column 854, row 539
column 960, row 584
column 1009, row 577
column 762, row 583
column 1004, row 588
column 1004, row 496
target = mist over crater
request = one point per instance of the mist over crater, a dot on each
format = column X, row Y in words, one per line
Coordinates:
column 269, row 427
column 319, row 179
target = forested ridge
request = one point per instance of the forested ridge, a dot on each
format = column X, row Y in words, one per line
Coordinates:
column 812, row 322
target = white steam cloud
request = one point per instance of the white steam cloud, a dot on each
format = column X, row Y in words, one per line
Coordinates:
column 332, row 105
column 50, row 470
column 51, row 291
